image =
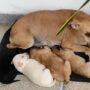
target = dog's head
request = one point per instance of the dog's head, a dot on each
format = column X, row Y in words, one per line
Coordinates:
column 20, row 61
column 81, row 23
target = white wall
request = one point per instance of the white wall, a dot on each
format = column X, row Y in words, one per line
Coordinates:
column 26, row 6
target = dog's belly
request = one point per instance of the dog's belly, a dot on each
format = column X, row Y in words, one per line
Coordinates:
column 43, row 42
column 46, row 26
column 46, row 35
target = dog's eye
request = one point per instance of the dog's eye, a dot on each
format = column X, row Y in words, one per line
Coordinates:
column 87, row 34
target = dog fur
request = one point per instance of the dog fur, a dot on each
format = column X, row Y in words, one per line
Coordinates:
column 35, row 71
column 78, row 64
column 8, row 71
column 44, row 25
column 60, row 69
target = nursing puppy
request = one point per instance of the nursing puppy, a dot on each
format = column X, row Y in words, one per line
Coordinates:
column 7, row 71
column 44, row 25
column 59, row 68
column 78, row 64
column 35, row 71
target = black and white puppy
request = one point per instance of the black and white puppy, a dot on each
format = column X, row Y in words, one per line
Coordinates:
column 7, row 71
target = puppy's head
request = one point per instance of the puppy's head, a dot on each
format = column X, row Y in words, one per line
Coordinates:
column 20, row 61
column 40, row 53
column 42, row 49
column 35, row 52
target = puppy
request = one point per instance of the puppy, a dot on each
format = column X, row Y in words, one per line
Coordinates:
column 78, row 64
column 59, row 68
column 35, row 71
column 44, row 25
column 7, row 71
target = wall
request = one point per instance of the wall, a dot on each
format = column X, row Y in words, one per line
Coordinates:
column 26, row 6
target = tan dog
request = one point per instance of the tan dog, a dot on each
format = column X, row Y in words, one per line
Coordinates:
column 59, row 68
column 44, row 25
column 78, row 64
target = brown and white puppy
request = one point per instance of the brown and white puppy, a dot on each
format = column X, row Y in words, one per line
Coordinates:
column 78, row 64
column 44, row 26
column 60, row 69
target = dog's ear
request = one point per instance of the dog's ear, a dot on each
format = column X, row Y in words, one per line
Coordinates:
column 75, row 24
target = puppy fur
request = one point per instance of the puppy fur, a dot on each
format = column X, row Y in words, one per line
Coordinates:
column 44, row 25
column 35, row 71
column 78, row 64
column 60, row 69
column 8, row 71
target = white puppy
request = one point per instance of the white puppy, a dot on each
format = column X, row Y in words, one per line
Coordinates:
column 35, row 71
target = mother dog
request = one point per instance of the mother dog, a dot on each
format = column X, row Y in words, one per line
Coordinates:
column 43, row 26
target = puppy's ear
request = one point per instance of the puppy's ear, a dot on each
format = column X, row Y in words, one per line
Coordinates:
column 75, row 24
column 11, row 46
